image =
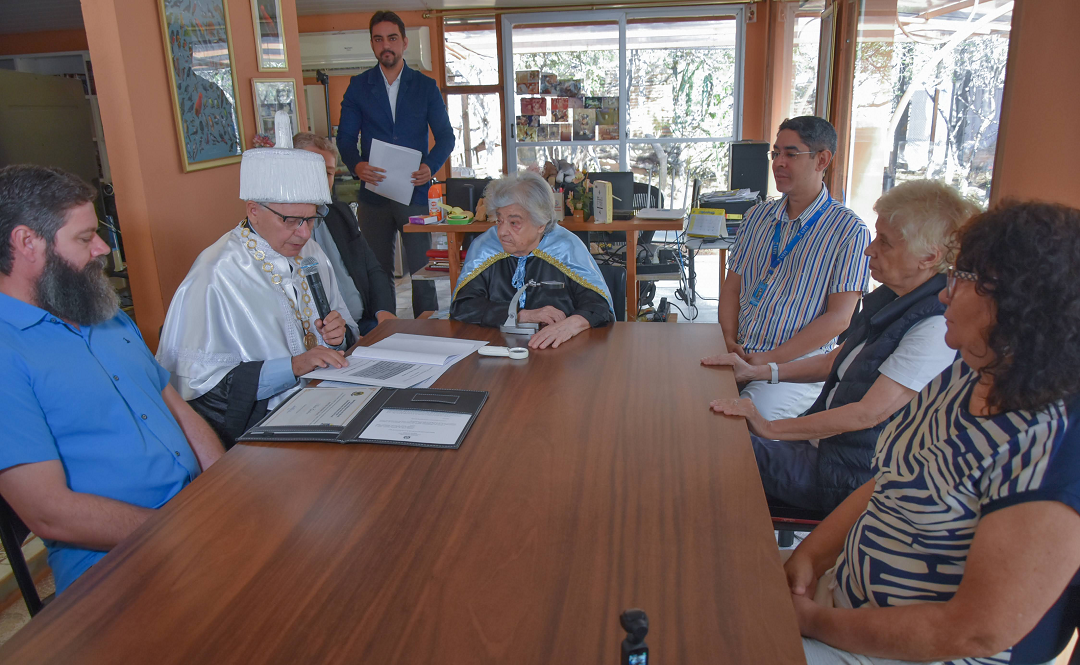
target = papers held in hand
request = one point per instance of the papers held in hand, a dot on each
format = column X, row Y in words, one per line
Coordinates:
column 399, row 163
column 410, row 417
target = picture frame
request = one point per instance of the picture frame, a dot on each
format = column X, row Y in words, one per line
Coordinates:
column 271, row 95
column 269, row 36
column 209, row 126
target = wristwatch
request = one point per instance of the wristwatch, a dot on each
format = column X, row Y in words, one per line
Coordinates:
column 775, row 373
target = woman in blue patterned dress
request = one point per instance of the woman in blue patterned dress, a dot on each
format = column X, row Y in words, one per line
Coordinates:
column 969, row 531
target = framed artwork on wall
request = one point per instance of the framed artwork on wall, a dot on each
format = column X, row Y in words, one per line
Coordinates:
column 202, row 82
column 269, row 35
column 271, row 96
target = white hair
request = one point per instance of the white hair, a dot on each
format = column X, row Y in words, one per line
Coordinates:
column 928, row 214
column 527, row 190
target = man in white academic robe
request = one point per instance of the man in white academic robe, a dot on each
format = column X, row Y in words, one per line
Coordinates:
column 243, row 326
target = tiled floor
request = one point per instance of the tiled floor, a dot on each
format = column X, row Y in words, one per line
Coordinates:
column 15, row 615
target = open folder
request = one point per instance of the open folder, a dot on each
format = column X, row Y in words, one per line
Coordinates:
column 398, row 416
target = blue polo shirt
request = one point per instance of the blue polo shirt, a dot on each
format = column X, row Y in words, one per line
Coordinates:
column 91, row 398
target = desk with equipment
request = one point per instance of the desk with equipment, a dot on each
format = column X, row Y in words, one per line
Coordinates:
column 631, row 226
column 587, row 485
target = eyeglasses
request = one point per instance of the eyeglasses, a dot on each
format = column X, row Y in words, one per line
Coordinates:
column 953, row 276
column 774, row 155
column 293, row 223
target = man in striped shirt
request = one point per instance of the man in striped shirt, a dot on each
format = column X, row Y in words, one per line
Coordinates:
column 798, row 269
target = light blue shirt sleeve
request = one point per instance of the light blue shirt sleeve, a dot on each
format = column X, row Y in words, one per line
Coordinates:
column 276, row 376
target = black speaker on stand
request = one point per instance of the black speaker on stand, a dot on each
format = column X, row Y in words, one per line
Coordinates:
column 750, row 166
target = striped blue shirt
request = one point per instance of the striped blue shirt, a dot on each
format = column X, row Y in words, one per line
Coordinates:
column 829, row 259
column 938, row 470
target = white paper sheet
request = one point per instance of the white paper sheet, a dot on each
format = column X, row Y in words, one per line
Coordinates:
column 396, row 374
column 427, row 349
column 400, row 163
column 378, row 373
column 408, row 426
column 314, row 406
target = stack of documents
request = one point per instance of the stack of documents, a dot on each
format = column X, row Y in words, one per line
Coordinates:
column 400, row 361
column 729, row 196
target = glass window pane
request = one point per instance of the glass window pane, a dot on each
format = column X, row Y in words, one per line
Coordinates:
column 574, row 66
column 928, row 85
column 674, row 166
column 478, row 152
column 582, row 157
column 804, row 63
column 472, row 56
column 681, row 77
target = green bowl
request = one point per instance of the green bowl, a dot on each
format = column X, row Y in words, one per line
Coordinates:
column 456, row 219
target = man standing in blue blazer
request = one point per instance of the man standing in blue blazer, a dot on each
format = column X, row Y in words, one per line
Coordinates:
column 394, row 104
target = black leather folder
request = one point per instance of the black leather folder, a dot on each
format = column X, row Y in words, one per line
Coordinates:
column 420, row 400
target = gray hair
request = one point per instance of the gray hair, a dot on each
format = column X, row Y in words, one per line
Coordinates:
column 817, row 133
column 527, row 190
column 304, row 140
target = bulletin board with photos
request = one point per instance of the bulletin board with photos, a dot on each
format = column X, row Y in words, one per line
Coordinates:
column 557, row 109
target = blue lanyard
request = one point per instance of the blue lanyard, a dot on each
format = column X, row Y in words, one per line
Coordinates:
column 776, row 259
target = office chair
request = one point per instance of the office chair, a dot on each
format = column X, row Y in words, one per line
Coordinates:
column 615, row 276
column 789, row 519
column 12, row 534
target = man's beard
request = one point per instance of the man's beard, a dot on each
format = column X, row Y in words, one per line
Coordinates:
column 84, row 297
column 393, row 58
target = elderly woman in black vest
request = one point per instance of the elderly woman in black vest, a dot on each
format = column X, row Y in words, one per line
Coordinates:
column 891, row 350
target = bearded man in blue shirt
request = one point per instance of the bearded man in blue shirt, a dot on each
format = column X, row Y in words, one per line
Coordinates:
column 95, row 438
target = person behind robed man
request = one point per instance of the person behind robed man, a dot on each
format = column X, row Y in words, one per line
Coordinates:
column 95, row 438
column 243, row 325
column 797, row 269
column 498, row 265
column 397, row 105
column 969, row 530
column 366, row 287
column 892, row 349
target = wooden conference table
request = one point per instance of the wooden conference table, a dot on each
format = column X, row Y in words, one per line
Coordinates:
column 631, row 226
column 587, row 485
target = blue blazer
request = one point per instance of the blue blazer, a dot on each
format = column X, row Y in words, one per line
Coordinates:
column 365, row 114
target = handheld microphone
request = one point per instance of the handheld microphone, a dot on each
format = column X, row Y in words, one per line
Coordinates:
column 309, row 268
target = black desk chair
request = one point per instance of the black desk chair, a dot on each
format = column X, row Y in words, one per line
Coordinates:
column 12, row 534
column 615, row 276
column 788, row 519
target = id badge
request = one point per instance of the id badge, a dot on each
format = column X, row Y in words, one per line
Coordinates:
column 759, row 293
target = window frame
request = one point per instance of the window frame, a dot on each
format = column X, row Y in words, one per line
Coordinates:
column 492, row 88
column 506, row 50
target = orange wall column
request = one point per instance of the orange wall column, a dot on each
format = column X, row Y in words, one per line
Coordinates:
column 167, row 216
column 1039, row 136
column 755, row 123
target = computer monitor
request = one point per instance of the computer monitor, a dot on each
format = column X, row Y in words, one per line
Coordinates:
column 465, row 192
column 622, row 188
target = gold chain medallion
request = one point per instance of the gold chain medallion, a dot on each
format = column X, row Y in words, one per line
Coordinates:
column 310, row 341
